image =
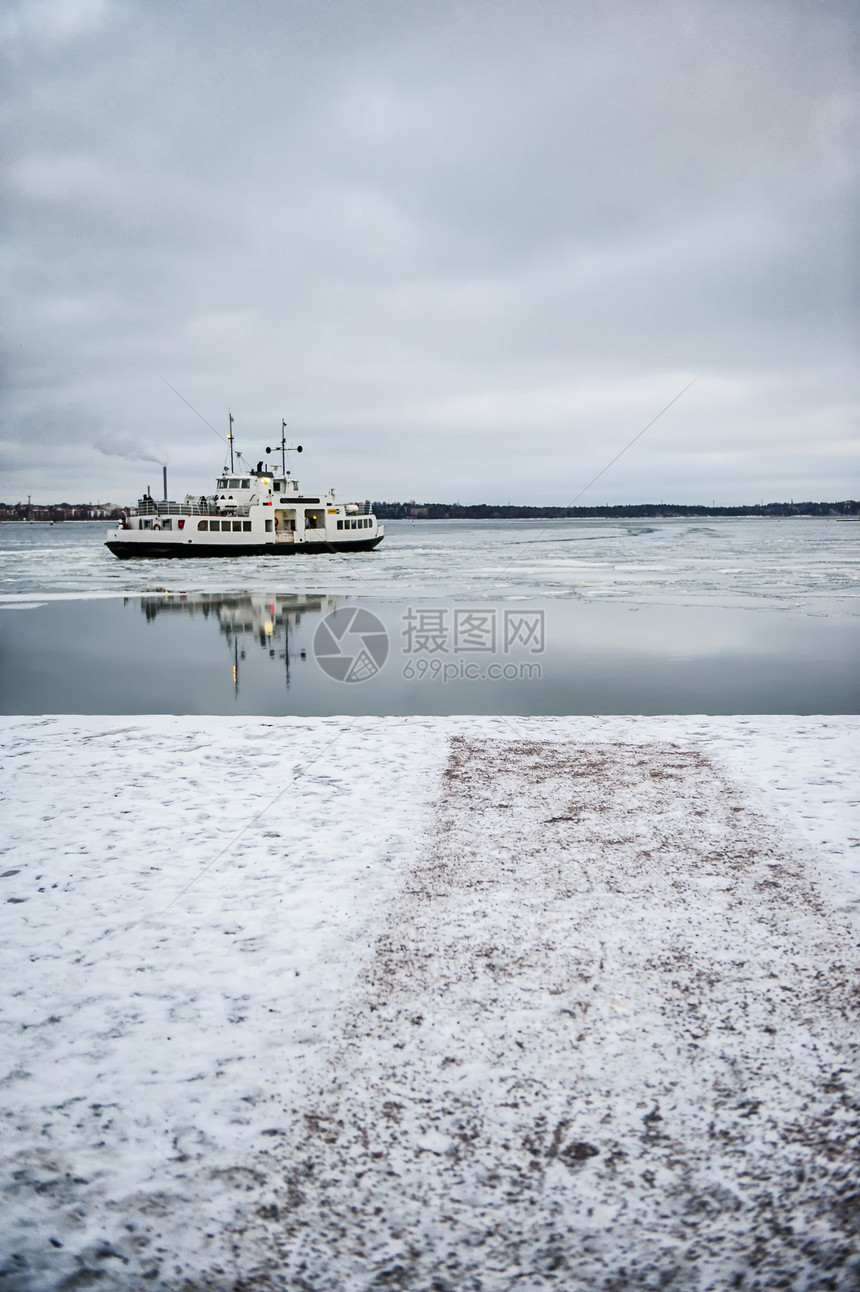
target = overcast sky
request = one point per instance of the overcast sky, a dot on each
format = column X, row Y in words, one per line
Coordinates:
column 466, row 249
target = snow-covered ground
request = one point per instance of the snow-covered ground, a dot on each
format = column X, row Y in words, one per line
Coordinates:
column 429, row 1003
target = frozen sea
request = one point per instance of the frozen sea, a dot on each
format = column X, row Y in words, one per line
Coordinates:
column 783, row 564
column 526, row 617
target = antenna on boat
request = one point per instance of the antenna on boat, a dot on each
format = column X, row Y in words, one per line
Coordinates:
column 293, row 448
column 230, row 439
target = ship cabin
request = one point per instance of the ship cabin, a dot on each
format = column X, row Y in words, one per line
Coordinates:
column 265, row 503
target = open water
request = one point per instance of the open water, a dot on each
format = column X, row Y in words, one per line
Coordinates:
column 656, row 616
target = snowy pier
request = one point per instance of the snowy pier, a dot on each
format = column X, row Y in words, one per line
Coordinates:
column 430, row 1003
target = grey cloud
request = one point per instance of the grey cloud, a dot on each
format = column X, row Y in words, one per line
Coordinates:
column 465, row 249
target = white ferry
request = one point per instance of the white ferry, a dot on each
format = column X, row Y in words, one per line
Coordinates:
column 256, row 512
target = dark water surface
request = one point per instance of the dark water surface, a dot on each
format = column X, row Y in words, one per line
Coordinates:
column 253, row 654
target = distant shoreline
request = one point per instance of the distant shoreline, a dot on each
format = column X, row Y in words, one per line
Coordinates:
column 631, row 511
column 850, row 508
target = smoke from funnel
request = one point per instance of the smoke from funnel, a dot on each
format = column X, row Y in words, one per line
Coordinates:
column 126, row 446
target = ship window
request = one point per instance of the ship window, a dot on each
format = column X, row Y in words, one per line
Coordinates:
column 340, row 524
column 202, row 524
column 246, row 526
column 234, row 484
column 147, row 524
column 167, row 524
column 277, row 486
column 222, row 484
column 246, row 484
column 268, row 527
column 237, row 527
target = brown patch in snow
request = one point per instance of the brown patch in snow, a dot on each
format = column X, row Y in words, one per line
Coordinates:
column 606, row 1040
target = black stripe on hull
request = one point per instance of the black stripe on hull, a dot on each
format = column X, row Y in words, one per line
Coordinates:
column 189, row 551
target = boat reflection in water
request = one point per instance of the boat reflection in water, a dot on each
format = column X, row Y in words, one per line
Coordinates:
column 245, row 618
column 189, row 653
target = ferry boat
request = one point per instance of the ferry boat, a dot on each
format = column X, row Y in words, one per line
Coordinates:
column 257, row 512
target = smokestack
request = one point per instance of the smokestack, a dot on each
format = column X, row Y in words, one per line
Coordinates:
column 164, row 469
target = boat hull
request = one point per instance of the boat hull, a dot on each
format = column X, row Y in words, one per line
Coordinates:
column 168, row 551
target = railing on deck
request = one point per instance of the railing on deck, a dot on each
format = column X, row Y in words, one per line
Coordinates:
column 155, row 507
column 152, row 507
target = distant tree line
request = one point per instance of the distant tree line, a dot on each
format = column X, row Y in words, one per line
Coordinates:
column 60, row 511
column 475, row 511
column 511, row 511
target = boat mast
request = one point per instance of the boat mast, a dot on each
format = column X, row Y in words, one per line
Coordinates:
column 284, row 449
column 230, row 440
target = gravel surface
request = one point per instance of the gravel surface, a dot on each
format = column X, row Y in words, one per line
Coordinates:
column 607, row 1039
